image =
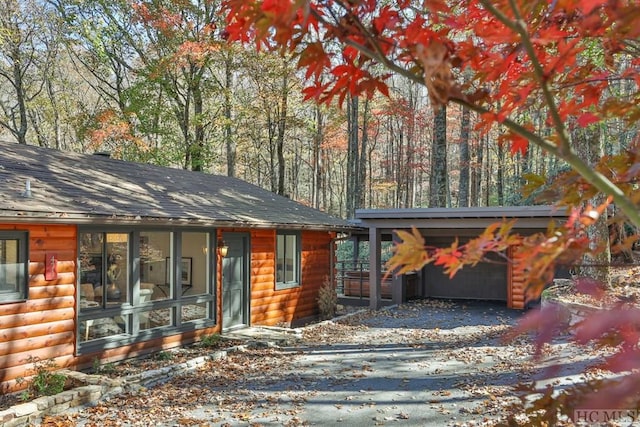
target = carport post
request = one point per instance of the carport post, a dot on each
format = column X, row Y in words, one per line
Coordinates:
column 375, row 288
column 398, row 281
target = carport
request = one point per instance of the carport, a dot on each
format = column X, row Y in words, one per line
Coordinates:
column 440, row 227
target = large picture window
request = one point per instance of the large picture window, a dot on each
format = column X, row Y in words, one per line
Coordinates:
column 13, row 266
column 136, row 284
column 287, row 259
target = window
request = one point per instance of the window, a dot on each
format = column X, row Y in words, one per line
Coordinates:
column 287, row 260
column 133, row 286
column 13, row 266
column 104, row 260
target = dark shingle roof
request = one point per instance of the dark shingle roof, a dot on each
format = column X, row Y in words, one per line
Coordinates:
column 69, row 187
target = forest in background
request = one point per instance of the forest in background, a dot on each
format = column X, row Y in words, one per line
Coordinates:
column 157, row 82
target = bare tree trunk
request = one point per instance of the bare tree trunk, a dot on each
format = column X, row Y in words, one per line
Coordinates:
column 438, row 181
column 282, row 125
column 271, row 139
column 352, row 157
column 362, row 163
column 317, row 159
column 589, row 146
column 228, row 134
column 500, row 175
column 465, row 160
column 197, row 152
column 485, row 170
column 20, row 128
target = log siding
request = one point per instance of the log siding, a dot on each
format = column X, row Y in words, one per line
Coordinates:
column 287, row 306
column 43, row 326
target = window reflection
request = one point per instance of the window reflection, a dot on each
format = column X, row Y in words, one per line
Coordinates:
column 104, row 269
column 194, row 267
column 192, row 312
column 91, row 329
column 155, row 267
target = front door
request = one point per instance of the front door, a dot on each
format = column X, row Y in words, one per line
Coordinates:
column 235, row 281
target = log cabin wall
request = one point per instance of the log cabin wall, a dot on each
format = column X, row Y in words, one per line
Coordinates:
column 515, row 282
column 316, row 268
column 42, row 327
column 272, row 307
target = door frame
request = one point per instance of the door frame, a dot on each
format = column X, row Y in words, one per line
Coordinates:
column 245, row 239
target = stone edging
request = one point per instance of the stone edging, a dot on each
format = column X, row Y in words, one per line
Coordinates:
column 99, row 387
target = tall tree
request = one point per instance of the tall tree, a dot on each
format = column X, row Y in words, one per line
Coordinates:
column 230, row 143
column 465, row 159
column 353, row 156
column 519, row 54
column 362, row 161
column 438, row 187
column 166, row 46
column 588, row 142
column 283, row 108
column 25, row 54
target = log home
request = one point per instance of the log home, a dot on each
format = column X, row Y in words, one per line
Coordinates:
column 107, row 259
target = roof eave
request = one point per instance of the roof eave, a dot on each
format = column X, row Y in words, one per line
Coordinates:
column 88, row 220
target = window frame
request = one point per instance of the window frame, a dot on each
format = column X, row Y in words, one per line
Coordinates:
column 23, row 257
column 296, row 282
column 131, row 310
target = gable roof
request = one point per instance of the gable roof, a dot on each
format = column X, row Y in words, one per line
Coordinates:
column 85, row 188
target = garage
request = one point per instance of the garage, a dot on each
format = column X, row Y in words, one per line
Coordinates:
column 492, row 280
column 485, row 281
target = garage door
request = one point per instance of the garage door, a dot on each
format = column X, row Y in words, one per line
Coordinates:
column 486, row 281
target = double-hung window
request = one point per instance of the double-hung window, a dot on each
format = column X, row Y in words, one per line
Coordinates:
column 13, row 266
column 287, row 259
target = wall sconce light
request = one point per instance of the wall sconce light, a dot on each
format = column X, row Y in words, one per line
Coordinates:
column 222, row 248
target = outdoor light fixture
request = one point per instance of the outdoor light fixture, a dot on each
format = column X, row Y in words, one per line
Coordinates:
column 222, row 248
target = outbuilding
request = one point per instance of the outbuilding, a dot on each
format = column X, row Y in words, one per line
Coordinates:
column 496, row 281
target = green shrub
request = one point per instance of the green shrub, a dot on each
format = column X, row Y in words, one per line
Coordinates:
column 99, row 368
column 212, row 340
column 44, row 382
column 163, row 355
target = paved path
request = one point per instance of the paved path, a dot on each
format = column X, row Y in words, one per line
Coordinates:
column 425, row 364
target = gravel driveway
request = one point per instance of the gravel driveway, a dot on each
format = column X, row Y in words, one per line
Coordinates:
column 428, row 363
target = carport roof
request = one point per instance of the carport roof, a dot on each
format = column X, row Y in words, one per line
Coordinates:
column 474, row 212
column 469, row 218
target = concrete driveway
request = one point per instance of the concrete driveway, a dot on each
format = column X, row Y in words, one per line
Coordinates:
column 428, row 363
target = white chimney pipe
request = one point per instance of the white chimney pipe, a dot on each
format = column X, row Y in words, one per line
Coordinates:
column 27, row 189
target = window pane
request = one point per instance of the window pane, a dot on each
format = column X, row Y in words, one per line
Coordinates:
column 155, row 250
column 290, row 258
column 11, row 269
column 155, row 318
column 91, row 264
column 195, row 273
column 280, row 258
column 194, row 312
column 117, row 274
column 287, row 260
column 104, row 327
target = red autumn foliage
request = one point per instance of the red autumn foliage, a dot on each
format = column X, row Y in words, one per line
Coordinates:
column 562, row 58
